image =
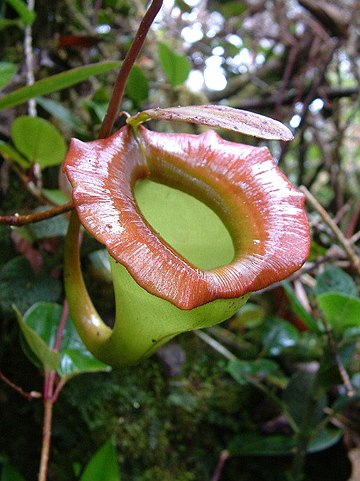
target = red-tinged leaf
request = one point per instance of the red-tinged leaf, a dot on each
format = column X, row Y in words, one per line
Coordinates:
column 263, row 212
column 222, row 117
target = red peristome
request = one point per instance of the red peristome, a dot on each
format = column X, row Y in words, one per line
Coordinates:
column 262, row 210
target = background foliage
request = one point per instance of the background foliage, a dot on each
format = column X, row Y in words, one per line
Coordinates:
column 237, row 402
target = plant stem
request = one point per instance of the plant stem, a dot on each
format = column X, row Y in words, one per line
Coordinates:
column 346, row 243
column 27, row 395
column 52, row 389
column 46, row 439
column 18, row 220
column 121, row 81
column 29, row 60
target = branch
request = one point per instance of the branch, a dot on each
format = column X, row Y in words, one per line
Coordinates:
column 121, row 81
column 272, row 100
column 346, row 243
column 18, row 220
column 28, row 395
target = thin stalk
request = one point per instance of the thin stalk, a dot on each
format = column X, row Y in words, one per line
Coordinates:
column 346, row 243
column 29, row 60
column 52, row 389
column 18, row 220
column 27, row 395
column 122, row 78
column 47, row 424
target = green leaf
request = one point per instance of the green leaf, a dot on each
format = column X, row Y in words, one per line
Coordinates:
column 177, row 67
column 38, row 140
column 340, row 311
column 324, row 440
column 7, row 72
column 251, row 444
column 301, row 401
column 57, row 110
column 103, row 465
column 27, row 16
column 55, row 196
column 335, row 279
column 137, row 88
column 233, row 9
column 53, row 227
column 48, row 358
column 300, row 310
column 74, row 358
column 278, row 336
column 9, row 473
column 22, row 287
column 55, row 83
column 13, row 155
column 250, row 316
column 260, row 369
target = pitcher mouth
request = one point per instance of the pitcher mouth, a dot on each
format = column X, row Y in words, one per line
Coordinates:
column 263, row 212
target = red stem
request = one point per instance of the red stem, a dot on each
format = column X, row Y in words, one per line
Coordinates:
column 28, row 395
column 52, row 389
column 121, row 81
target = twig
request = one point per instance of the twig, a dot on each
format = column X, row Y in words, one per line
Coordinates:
column 216, row 345
column 52, row 389
column 18, row 220
column 131, row 56
column 45, row 450
column 346, row 243
column 224, row 456
column 27, row 395
column 29, row 60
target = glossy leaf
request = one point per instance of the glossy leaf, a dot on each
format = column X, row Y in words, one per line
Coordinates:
column 73, row 357
column 176, row 66
column 55, row 83
column 38, row 140
column 221, row 117
column 278, row 336
column 48, row 358
column 7, row 72
column 137, row 88
column 262, row 211
column 340, row 310
column 103, row 465
column 334, row 279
